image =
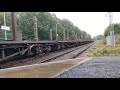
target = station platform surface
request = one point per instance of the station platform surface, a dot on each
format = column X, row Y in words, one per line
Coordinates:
column 97, row 67
column 43, row 70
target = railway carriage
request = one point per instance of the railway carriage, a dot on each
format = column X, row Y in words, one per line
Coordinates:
column 17, row 48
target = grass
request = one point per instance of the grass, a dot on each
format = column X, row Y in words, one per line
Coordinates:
column 101, row 49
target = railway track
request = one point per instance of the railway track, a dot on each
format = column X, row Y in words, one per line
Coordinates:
column 72, row 52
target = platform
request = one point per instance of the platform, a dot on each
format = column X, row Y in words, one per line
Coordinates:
column 43, row 70
column 97, row 67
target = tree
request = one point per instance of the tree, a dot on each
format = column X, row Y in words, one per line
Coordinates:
column 8, row 23
column 98, row 37
column 46, row 21
column 116, row 29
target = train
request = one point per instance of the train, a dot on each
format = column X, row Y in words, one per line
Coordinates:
column 13, row 48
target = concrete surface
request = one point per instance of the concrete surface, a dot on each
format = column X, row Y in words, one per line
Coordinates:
column 44, row 70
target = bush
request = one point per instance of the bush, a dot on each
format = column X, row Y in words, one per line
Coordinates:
column 100, row 49
column 104, row 40
column 117, row 39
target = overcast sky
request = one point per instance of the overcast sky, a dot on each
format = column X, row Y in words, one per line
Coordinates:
column 94, row 23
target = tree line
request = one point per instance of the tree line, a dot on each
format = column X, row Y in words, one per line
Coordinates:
column 45, row 22
column 116, row 28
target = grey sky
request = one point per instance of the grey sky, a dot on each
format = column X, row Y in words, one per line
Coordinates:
column 94, row 23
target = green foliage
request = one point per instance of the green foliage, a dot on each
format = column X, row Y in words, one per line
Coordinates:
column 104, row 40
column 117, row 39
column 100, row 49
column 8, row 23
column 116, row 29
column 98, row 37
column 46, row 21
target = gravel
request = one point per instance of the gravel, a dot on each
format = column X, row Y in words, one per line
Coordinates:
column 73, row 53
column 97, row 67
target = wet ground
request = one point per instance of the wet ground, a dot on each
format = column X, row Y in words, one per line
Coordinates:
column 97, row 67
column 44, row 70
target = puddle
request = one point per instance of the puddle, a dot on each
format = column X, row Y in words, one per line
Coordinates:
column 40, row 71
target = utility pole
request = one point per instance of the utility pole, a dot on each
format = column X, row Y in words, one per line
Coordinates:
column 5, row 25
column 14, row 25
column 111, row 37
column 111, row 21
column 51, row 34
column 67, row 34
column 75, row 35
column 112, row 28
column 64, row 34
column 56, row 32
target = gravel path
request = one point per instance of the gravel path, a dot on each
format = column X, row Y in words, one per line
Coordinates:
column 97, row 67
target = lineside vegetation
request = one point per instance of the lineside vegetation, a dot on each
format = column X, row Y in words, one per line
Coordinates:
column 101, row 49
